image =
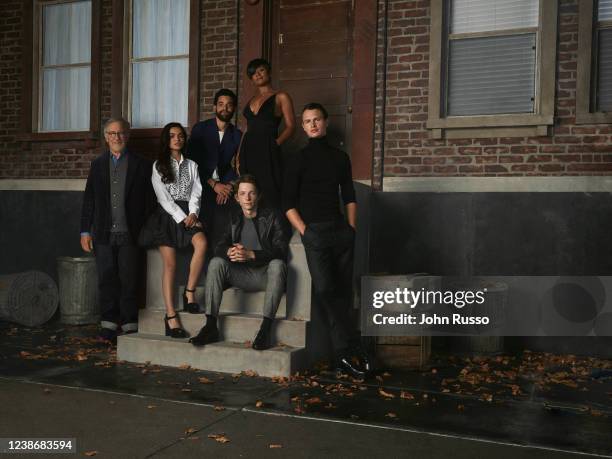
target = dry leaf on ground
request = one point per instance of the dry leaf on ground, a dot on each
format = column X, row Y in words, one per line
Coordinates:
column 385, row 394
column 221, row 438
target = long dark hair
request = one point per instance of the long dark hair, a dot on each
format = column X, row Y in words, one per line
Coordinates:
column 163, row 165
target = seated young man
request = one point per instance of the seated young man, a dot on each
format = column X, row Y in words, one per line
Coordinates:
column 250, row 255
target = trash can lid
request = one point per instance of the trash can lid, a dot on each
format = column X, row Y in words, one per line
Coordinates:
column 84, row 259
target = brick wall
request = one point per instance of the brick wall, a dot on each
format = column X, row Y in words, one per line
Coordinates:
column 62, row 159
column 219, row 51
column 408, row 148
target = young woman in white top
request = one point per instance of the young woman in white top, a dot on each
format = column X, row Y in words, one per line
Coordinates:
column 175, row 224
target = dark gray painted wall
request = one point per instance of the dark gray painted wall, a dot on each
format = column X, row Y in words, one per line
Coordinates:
column 492, row 233
column 438, row 233
column 38, row 227
column 497, row 234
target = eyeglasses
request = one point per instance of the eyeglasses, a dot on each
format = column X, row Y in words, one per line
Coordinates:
column 116, row 134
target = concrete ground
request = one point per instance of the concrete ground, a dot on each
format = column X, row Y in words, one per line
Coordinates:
column 129, row 426
column 58, row 382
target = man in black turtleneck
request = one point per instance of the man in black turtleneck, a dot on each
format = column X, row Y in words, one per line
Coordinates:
column 310, row 201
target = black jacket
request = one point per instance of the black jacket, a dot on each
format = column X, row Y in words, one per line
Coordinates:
column 139, row 197
column 271, row 232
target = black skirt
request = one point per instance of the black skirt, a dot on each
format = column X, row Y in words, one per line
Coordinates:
column 161, row 229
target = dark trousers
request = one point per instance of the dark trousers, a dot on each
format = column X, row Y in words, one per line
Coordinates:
column 118, row 269
column 329, row 254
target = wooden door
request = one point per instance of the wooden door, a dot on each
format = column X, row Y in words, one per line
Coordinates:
column 311, row 60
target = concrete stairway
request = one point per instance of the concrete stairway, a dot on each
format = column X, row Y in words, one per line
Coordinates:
column 296, row 346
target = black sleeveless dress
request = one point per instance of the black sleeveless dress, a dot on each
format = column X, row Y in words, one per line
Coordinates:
column 260, row 155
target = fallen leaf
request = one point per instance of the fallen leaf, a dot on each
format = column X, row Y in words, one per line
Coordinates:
column 189, row 431
column 460, row 407
column 391, row 415
column 219, row 408
column 250, row 373
column 275, row 445
column 221, row 438
column 259, row 404
column 205, row 380
column 90, row 453
column 312, row 401
column 151, row 406
column 385, row 394
column 184, row 366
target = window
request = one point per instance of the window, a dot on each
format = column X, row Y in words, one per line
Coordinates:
column 64, row 66
column 491, row 67
column 158, row 77
column 594, row 72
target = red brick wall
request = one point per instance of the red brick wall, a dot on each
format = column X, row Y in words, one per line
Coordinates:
column 408, row 148
column 61, row 159
column 219, row 51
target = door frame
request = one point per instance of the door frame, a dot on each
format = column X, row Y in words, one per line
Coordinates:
column 256, row 41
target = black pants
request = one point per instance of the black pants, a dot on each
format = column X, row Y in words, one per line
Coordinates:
column 329, row 254
column 118, row 269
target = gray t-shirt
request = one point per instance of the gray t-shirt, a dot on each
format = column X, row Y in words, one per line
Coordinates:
column 248, row 237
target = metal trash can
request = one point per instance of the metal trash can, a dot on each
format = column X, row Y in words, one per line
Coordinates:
column 495, row 308
column 78, row 290
column 28, row 298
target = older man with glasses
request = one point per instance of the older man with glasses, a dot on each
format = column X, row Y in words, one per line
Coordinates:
column 118, row 197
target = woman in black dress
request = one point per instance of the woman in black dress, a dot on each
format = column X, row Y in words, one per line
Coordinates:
column 175, row 224
column 260, row 152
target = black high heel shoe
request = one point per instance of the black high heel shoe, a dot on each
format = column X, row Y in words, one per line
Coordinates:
column 191, row 308
column 174, row 332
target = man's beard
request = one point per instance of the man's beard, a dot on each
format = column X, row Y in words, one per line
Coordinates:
column 225, row 116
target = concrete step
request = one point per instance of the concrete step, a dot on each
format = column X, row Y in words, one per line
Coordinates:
column 225, row 356
column 233, row 327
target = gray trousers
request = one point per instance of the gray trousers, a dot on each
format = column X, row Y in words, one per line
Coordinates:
column 223, row 274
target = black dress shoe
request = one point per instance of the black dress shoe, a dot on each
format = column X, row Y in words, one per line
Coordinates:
column 345, row 365
column 262, row 340
column 364, row 359
column 108, row 336
column 205, row 336
column 191, row 308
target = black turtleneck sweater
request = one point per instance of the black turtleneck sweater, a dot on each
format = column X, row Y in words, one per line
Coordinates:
column 313, row 179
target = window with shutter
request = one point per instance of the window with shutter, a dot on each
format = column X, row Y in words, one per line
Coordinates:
column 491, row 66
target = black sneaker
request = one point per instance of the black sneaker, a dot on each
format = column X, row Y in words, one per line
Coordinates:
column 205, row 336
column 262, row 340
